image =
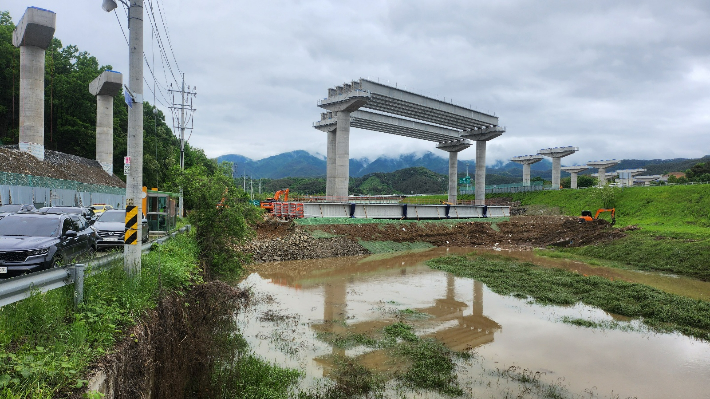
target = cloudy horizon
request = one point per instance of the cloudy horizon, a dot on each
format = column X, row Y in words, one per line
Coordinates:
column 619, row 80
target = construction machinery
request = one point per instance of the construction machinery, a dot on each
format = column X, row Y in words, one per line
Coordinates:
column 587, row 215
column 268, row 204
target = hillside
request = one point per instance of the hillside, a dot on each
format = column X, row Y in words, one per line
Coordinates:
column 303, row 164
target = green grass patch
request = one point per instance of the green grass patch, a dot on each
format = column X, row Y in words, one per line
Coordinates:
column 665, row 210
column 660, row 311
column 46, row 347
column 645, row 251
column 430, row 364
column 379, row 247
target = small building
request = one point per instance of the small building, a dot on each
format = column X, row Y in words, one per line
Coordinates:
column 161, row 210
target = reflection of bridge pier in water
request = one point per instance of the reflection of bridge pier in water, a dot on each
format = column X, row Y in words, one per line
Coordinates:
column 335, row 310
column 470, row 331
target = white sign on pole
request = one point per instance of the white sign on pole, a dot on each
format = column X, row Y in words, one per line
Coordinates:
column 126, row 169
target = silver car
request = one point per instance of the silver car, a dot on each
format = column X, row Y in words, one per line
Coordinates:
column 111, row 226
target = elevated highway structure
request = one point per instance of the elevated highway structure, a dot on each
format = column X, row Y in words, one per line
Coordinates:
column 374, row 106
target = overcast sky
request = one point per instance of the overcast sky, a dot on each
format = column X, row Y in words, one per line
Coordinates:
column 618, row 79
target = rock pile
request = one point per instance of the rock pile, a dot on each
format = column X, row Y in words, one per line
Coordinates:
column 56, row 165
column 300, row 245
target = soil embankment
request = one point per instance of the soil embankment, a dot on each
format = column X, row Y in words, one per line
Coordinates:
column 277, row 241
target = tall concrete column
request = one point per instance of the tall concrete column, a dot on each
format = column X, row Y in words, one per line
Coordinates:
column 453, row 176
column 526, row 161
column 341, row 101
column 105, row 87
column 556, row 172
column 480, row 191
column 342, row 156
column 573, row 171
column 453, row 147
column 33, row 35
column 602, row 166
column 481, row 136
column 330, row 165
column 557, row 153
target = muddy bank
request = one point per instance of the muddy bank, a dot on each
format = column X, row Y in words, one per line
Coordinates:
column 171, row 352
column 278, row 241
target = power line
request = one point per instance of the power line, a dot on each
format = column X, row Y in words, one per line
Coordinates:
column 167, row 33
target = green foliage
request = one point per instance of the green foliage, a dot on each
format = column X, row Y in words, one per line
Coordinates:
column 46, row 347
column 253, row 378
column 667, row 210
column 221, row 214
column 700, row 172
column 643, row 251
column 658, row 310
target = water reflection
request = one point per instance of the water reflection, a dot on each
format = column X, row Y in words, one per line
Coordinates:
column 361, row 295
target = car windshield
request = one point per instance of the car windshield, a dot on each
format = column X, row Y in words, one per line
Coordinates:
column 113, row 217
column 10, row 208
column 29, row 226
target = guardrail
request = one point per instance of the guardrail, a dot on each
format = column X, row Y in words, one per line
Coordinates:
column 18, row 288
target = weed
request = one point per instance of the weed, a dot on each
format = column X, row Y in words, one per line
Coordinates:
column 378, row 247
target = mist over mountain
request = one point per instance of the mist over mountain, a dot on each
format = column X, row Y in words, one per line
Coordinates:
column 304, row 164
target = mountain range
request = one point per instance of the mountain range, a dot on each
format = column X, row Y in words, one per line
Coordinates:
column 304, row 164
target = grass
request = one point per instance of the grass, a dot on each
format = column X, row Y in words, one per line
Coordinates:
column 379, row 247
column 660, row 311
column 46, row 347
column 429, row 364
column 645, row 251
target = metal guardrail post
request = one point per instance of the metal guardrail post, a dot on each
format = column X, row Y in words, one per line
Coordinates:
column 78, row 277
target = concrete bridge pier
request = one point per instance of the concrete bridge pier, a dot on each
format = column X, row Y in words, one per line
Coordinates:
column 573, row 171
column 481, row 136
column 526, row 161
column 602, row 166
column 341, row 101
column 105, row 87
column 33, row 35
column 557, row 153
column 453, row 147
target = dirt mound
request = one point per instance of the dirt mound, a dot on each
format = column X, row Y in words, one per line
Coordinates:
column 521, row 231
column 56, row 165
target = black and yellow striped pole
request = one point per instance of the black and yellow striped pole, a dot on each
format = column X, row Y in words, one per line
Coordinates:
column 131, row 235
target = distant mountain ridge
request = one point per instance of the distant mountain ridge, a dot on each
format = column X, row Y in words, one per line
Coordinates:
column 301, row 163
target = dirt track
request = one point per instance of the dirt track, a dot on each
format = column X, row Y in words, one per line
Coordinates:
column 286, row 241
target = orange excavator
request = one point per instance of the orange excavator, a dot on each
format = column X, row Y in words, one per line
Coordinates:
column 587, row 215
column 268, row 204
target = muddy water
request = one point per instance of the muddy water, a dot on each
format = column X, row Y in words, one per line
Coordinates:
column 364, row 294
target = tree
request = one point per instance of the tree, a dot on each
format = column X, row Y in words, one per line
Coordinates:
column 221, row 215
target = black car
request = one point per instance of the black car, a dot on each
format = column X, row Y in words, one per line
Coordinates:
column 33, row 241
column 111, row 226
column 87, row 213
column 14, row 208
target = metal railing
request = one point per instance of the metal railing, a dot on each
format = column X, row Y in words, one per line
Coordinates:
column 18, row 288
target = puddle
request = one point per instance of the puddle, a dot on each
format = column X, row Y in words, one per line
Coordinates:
column 511, row 339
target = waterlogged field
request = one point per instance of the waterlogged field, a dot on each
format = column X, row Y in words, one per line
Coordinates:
column 390, row 326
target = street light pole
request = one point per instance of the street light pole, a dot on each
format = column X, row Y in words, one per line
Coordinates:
column 134, row 179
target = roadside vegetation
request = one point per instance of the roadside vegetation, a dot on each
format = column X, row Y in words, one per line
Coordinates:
column 46, row 346
column 660, row 311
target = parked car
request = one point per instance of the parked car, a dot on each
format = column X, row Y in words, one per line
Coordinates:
column 87, row 213
column 14, row 208
column 34, row 241
column 111, row 227
column 101, row 208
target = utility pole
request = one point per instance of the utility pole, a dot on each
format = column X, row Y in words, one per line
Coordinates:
column 134, row 179
column 182, row 107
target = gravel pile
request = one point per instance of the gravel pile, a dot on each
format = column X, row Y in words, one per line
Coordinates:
column 56, row 165
column 301, row 245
